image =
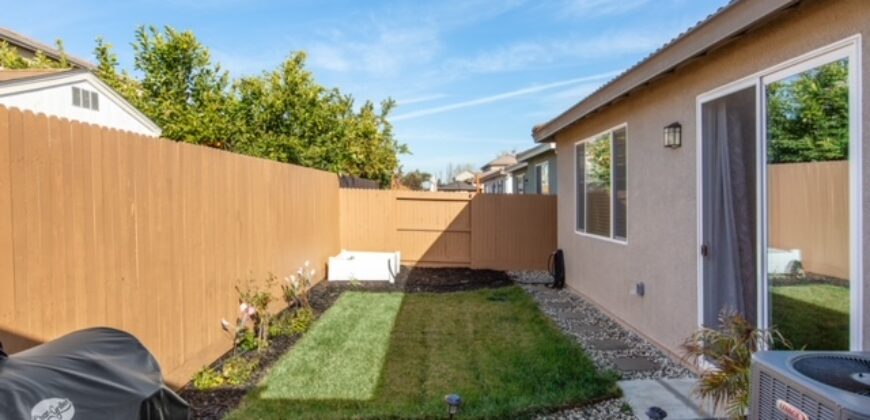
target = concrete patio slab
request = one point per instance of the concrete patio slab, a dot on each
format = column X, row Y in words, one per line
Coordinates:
column 672, row 395
column 630, row 364
column 608, row 344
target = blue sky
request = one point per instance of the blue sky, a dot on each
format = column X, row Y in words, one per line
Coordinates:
column 471, row 77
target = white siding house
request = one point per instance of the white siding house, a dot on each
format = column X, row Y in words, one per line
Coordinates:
column 74, row 94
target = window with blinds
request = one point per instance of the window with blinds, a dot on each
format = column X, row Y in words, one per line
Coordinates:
column 600, row 175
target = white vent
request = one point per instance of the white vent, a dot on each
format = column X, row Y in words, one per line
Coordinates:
column 84, row 98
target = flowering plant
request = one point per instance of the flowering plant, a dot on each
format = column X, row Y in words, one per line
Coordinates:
column 296, row 286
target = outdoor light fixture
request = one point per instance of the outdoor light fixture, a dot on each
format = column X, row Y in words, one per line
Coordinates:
column 673, row 135
column 453, row 402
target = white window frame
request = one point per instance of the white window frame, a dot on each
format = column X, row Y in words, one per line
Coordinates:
column 849, row 48
column 590, row 139
column 541, row 180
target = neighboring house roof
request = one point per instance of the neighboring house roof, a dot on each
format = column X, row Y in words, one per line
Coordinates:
column 490, row 175
column 26, row 74
column 457, row 186
column 32, row 45
column 538, row 150
column 14, row 82
column 517, row 167
column 725, row 25
column 503, row 160
column 464, row 176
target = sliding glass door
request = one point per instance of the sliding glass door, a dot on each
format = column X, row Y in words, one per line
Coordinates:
column 780, row 201
column 808, row 195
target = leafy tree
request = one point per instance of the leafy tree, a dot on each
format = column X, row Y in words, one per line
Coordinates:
column 182, row 91
column 283, row 114
column 286, row 116
column 808, row 116
column 10, row 58
column 415, row 179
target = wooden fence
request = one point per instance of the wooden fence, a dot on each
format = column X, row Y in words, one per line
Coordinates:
column 451, row 229
column 809, row 210
column 101, row 227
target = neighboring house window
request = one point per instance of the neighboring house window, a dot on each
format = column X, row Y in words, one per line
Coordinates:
column 84, row 98
column 600, row 171
column 521, row 183
column 542, row 173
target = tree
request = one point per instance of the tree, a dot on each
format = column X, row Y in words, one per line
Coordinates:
column 10, row 58
column 288, row 117
column 415, row 179
column 808, row 116
column 283, row 114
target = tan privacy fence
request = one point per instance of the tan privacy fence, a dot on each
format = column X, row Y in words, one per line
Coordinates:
column 100, row 227
column 105, row 228
column 451, row 229
column 809, row 211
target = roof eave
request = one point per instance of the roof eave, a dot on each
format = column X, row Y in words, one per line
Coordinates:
column 729, row 22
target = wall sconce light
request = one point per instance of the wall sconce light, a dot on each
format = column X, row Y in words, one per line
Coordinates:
column 673, row 135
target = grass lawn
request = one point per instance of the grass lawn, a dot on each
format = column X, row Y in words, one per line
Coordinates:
column 381, row 355
column 812, row 315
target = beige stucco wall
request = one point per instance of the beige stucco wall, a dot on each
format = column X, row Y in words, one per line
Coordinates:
column 662, row 216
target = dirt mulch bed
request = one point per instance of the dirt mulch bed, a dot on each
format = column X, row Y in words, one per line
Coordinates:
column 214, row 404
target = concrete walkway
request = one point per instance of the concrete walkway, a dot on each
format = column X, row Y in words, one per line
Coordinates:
column 674, row 396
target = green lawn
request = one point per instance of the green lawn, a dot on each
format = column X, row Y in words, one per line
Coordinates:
column 376, row 355
column 812, row 315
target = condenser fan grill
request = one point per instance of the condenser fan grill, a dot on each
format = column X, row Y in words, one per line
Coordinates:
column 836, row 371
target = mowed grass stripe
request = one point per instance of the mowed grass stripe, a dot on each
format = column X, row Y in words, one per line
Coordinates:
column 343, row 355
column 493, row 347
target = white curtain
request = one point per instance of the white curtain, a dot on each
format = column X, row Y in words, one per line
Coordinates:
column 729, row 203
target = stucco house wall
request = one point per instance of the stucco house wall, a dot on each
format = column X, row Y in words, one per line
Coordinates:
column 661, row 249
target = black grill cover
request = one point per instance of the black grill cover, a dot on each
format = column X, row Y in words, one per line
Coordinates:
column 98, row 373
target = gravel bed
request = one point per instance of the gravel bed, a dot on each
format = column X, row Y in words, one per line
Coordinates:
column 585, row 323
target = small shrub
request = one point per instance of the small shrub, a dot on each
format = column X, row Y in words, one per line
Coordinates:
column 297, row 287
column 235, row 371
column 239, row 370
column 729, row 350
column 301, row 321
column 247, row 341
column 291, row 324
column 259, row 299
column 208, row 378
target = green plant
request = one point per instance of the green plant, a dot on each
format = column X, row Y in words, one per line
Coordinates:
column 259, row 299
column 207, row 378
column 298, row 322
column 247, row 341
column 239, row 370
column 235, row 371
column 301, row 321
column 728, row 350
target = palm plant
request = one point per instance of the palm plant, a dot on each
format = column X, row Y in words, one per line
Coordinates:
column 728, row 350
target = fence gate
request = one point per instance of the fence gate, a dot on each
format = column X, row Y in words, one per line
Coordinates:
column 451, row 229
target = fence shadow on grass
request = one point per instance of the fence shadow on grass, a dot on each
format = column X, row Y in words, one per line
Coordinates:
column 809, row 324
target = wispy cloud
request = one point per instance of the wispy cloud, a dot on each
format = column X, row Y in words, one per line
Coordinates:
column 523, row 55
column 499, row 97
column 420, row 99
